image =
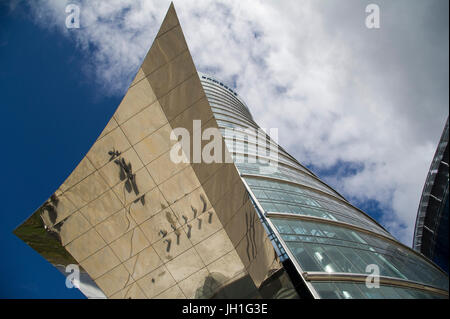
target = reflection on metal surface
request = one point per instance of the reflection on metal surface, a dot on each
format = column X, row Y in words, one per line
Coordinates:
column 43, row 238
column 86, row 285
column 46, row 240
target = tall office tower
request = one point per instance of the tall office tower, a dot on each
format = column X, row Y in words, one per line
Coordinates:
column 181, row 196
column 431, row 232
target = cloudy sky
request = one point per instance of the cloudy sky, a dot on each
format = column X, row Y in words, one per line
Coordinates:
column 364, row 108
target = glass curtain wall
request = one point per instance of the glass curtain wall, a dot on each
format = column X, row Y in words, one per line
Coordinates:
column 330, row 242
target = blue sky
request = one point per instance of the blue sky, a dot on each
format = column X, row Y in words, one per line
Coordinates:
column 357, row 100
column 46, row 133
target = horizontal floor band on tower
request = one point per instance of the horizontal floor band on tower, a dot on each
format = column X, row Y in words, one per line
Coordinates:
column 350, row 226
column 341, row 200
column 361, row 278
column 327, row 221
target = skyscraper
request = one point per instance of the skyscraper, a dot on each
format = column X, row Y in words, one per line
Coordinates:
column 431, row 231
column 252, row 222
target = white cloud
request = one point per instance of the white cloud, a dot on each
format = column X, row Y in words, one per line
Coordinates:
column 350, row 94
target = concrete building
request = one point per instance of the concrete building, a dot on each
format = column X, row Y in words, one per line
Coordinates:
column 253, row 224
column 431, row 231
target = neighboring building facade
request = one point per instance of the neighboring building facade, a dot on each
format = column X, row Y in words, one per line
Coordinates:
column 253, row 224
column 431, row 231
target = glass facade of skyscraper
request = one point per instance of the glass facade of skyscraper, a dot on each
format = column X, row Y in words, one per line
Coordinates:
column 330, row 242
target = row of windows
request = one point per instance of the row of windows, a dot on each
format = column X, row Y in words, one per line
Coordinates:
column 240, row 137
column 329, row 248
column 224, row 96
column 225, row 107
column 250, row 148
column 324, row 207
column 291, row 169
column 232, row 123
column 212, row 94
column 249, row 133
column 227, row 115
column 253, row 144
column 237, row 111
column 217, row 109
column 219, row 95
column 349, row 290
column 228, row 102
column 252, row 135
column 275, row 155
column 303, row 210
column 250, row 160
column 222, row 91
column 244, row 148
column 221, row 107
column 217, row 100
column 286, row 173
column 236, row 121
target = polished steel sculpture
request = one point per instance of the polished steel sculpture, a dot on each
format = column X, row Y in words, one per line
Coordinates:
column 140, row 225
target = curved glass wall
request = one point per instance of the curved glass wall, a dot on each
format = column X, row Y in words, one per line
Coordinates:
column 431, row 231
column 321, row 247
column 312, row 224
